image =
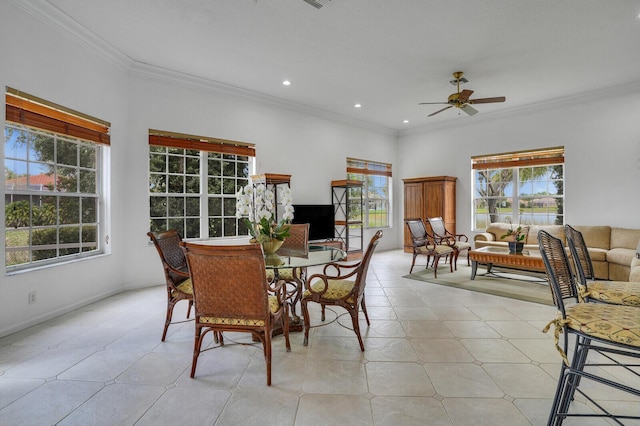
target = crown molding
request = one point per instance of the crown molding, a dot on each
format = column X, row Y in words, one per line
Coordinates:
column 159, row 73
column 61, row 22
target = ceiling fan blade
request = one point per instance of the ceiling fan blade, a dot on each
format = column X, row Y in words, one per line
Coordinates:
column 464, row 95
column 439, row 111
column 433, row 103
column 487, row 100
column 469, row 110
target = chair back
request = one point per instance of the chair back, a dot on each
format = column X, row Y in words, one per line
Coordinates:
column 298, row 239
column 579, row 253
column 559, row 273
column 167, row 244
column 361, row 280
column 228, row 281
column 437, row 226
column 419, row 235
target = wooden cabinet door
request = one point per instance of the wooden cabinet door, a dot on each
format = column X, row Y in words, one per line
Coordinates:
column 413, row 200
column 413, row 208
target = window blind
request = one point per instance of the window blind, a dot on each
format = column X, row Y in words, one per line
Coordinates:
column 200, row 143
column 32, row 111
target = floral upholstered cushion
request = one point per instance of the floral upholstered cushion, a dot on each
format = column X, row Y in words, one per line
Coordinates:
column 440, row 249
column 614, row 292
column 613, row 323
column 337, row 289
column 616, row 323
column 283, row 274
column 185, row 286
column 274, row 306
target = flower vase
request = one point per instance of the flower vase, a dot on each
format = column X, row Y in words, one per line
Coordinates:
column 271, row 246
column 515, row 247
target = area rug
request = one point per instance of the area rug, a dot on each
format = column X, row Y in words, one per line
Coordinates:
column 515, row 286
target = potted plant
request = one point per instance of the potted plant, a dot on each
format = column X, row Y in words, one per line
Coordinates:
column 256, row 207
column 517, row 236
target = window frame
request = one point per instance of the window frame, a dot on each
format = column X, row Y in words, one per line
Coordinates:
column 514, row 175
column 208, row 150
column 77, row 234
column 368, row 172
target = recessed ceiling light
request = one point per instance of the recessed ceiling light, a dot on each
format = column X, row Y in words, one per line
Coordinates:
column 405, row 121
column 286, row 83
column 357, row 106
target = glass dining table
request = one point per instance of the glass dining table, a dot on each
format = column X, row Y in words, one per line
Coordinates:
column 288, row 258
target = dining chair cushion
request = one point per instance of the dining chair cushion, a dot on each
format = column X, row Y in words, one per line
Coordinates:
column 283, row 274
column 185, row 286
column 274, row 306
column 440, row 249
column 615, row 323
column 614, row 292
column 461, row 245
column 336, row 289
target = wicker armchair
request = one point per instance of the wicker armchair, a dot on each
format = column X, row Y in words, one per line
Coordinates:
column 176, row 272
column 460, row 242
column 612, row 292
column 296, row 244
column 231, row 293
column 345, row 287
column 608, row 330
column 425, row 244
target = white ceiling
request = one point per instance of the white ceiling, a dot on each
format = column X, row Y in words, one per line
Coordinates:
column 386, row 55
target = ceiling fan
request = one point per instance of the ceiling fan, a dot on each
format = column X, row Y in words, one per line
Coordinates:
column 461, row 99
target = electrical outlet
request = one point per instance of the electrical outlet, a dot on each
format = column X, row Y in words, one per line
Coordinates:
column 32, row 297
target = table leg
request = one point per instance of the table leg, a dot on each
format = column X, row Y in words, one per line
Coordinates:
column 474, row 268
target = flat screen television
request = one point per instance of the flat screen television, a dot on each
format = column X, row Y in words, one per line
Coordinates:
column 320, row 218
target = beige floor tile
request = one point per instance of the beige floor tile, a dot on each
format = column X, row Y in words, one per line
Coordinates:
column 484, row 412
column 441, row 350
column 494, row 350
column 331, row 410
column 408, row 411
column 398, row 379
column 463, row 380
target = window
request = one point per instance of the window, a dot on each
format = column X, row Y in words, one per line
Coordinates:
column 53, row 162
column 524, row 187
column 192, row 177
column 377, row 189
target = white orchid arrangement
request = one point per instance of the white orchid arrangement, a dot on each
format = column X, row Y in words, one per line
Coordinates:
column 257, row 206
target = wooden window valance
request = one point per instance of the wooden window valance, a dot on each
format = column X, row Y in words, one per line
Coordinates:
column 32, row 111
column 367, row 167
column 540, row 157
column 200, row 143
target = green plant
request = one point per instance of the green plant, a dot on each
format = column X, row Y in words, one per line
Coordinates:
column 518, row 234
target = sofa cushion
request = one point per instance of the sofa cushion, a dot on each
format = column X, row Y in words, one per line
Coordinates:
column 596, row 236
column 597, row 254
column 621, row 256
column 555, row 231
column 625, row 238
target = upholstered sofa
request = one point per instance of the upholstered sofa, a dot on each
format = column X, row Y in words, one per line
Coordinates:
column 612, row 250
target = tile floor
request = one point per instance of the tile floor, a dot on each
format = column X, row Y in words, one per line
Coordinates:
column 434, row 356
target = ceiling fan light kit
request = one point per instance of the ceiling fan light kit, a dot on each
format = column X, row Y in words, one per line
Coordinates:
column 462, row 99
column 317, row 3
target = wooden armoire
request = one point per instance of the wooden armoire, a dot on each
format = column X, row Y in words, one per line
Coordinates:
column 429, row 197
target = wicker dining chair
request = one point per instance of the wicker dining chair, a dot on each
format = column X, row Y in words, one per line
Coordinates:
column 340, row 284
column 231, row 293
column 590, row 289
column 176, row 273
column 297, row 243
column 460, row 242
column 607, row 330
column 425, row 244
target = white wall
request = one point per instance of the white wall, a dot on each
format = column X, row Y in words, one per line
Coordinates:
column 44, row 62
column 38, row 60
column 312, row 150
column 599, row 131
